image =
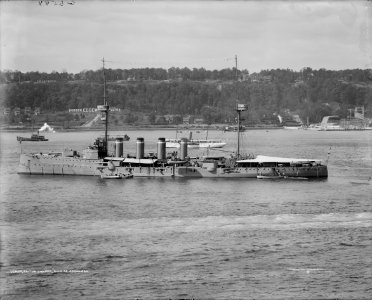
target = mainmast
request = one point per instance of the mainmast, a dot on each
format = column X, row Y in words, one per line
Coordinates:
column 105, row 109
column 239, row 107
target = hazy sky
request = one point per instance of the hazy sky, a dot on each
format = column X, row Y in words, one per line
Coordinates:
column 264, row 34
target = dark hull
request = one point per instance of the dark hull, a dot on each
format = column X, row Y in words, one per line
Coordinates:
column 41, row 165
column 33, row 138
column 24, row 139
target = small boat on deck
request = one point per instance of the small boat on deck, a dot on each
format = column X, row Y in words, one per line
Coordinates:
column 274, row 174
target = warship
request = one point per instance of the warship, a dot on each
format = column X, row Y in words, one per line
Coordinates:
column 95, row 161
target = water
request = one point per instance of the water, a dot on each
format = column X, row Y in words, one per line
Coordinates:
column 162, row 238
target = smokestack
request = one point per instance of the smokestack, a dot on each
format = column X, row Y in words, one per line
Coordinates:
column 183, row 148
column 119, row 147
column 140, row 148
column 161, row 148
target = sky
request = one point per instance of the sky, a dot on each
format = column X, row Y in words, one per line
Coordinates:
column 73, row 37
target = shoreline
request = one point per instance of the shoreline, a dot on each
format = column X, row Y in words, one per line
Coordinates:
column 134, row 128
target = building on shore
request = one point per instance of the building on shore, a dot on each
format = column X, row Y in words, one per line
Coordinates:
column 355, row 121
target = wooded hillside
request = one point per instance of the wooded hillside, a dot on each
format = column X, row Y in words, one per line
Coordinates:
column 199, row 92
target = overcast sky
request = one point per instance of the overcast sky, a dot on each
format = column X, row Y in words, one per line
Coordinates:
column 131, row 34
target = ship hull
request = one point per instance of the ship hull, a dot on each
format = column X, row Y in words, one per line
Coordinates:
column 199, row 172
column 47, row 165
column 37, row 164
column 308, row 172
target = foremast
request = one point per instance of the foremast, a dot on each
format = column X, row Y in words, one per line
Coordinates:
column 104, row 109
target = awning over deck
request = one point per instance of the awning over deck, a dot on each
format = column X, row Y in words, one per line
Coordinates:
column 273, row 159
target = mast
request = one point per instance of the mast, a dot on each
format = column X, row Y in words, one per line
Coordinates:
column 105, row 103
column 239, row 107
column 236, row 67
column 236, row 97
column 105, row 109
column 104, row 82
column 238, row 150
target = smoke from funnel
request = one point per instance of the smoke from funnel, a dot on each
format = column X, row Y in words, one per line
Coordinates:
column 46, row 128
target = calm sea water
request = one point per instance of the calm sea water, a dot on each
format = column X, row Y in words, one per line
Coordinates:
column 88, row 238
